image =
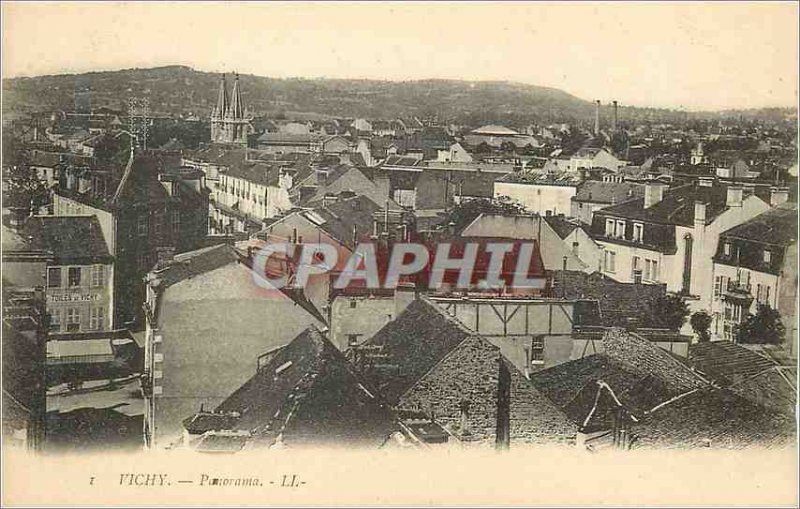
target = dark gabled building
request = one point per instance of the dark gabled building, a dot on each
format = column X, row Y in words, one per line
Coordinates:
column 305, row 393
column 148, row 212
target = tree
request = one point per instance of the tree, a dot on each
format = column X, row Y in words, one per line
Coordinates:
column 464, row 213
column 701, row 322
column 669, row 312
column 23, row 189
column 765, row 327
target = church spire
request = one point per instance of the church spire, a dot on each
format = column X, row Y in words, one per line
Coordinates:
column 222, row 99
column 236, row 110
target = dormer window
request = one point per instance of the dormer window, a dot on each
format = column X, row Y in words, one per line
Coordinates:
column 767, row 256
column 610, row 225
column 638, row 232
column 620, row 229
column 726, row 248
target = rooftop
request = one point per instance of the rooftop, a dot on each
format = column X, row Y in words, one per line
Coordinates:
column 411, row 345
column 307, row 393
column 777, row 226
column 71, row 239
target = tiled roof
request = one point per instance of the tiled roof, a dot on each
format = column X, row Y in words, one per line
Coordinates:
column 309, row 394
column 563, row 383
column 713, row 418
column 411, row 345
column 71, row 239
column 725, row 362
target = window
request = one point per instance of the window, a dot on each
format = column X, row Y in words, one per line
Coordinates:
column 610, row 261
column 609, row 227
column 141, row 225
column 73, row 320
column 726, row 248
column 647, row 264
column 767, row 256
column 654, row 274
column 766, row 296
column 55, row 321
column 54, row 277
column 621, row 229
column 353, row 304
column 352, row 339
column 96, row 318
column 638, row 232
column 74, row 277
column 718, row 286
column 98, row 276
column 537, row 350
column 176, row 221
column 635, row 267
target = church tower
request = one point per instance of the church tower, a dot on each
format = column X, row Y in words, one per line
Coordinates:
column 229, row 122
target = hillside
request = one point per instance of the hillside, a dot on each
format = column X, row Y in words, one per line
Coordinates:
column 181, row 90
column 175, row 90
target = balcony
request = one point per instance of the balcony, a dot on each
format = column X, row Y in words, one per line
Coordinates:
column 738, row 291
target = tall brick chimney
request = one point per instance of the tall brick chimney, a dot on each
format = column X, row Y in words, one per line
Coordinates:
column 597, row 117
column 614, row 116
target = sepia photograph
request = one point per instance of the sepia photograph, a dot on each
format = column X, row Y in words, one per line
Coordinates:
column 424, row 254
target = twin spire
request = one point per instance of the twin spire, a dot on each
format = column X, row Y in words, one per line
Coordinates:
column 233, row 109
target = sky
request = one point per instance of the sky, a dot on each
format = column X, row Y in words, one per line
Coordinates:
column 693, row 56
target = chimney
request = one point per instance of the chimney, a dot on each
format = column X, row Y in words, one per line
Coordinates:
column 778, row 195
column 596, row 118
column 653, row 193
column 699, row 213
column 734, row 198
column 614, row 116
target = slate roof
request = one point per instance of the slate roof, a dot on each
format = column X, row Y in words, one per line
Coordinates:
column 342, row 216
column 257, row 172
column 308, row 393
column 777, row 226
column 676, row 207
column 596, row 191
column 561, row 225
column 71, row 239
column 186, row 265
column 412, row 344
